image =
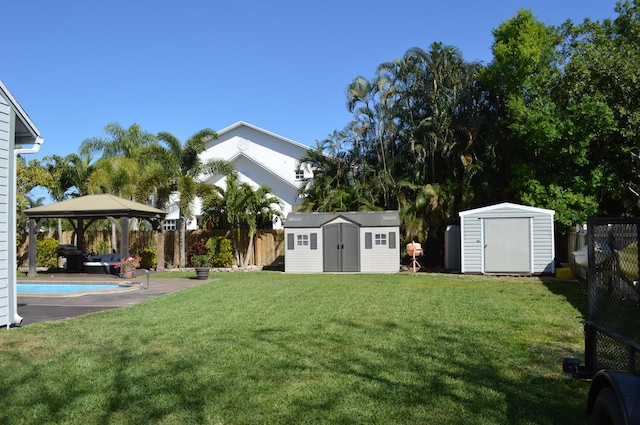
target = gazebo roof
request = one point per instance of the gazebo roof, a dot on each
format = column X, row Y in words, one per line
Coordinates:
column 92, row 206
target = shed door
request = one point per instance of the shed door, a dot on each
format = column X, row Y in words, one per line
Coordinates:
column 507, row 245
column 341, row 247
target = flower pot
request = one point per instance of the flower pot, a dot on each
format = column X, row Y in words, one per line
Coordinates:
column 202, row 273
column 128, row 274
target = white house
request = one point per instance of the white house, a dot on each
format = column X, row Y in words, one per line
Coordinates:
column 366, row 242
column 260, row 157
column 507, row 238
column 18, row 135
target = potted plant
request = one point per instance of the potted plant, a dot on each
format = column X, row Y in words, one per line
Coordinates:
column 201, row 264
column 127, row 266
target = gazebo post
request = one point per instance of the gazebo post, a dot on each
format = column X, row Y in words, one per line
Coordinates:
column 124, row 237
column 32, row 248
column 159, row 226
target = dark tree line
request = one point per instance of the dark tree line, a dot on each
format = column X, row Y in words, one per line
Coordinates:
column 551, row 122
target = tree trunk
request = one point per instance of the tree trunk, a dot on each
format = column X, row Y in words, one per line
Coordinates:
column 183, row 232
column 249, row 251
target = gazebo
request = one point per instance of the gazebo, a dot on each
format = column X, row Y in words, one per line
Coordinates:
column 84, row 210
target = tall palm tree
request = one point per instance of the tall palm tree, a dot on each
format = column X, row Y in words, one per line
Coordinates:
column 120, row 141
column 177, row 166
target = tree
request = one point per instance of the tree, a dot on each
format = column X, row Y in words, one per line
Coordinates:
column 600, row 86
column 119, row 142
column 178, row 167
column 540, row 150
column 242, row 207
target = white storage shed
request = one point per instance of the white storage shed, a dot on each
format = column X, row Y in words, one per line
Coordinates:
column 342, row 242
column 507, row 239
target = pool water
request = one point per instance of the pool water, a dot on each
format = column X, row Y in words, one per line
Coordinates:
column 62, row 288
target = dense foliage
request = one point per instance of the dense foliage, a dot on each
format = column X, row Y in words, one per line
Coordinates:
column 551, row 122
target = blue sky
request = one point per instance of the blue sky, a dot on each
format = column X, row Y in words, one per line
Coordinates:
column 282, row 65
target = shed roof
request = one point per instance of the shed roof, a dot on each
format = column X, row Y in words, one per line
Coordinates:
column 365, row 219
column 506, row 206
column 102, row 205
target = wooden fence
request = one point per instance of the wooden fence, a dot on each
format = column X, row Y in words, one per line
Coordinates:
column 268, row 245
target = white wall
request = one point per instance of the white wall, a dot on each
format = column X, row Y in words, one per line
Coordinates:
column 5, row 182
column 472, row 236
column 303, row 259
column 380, row 258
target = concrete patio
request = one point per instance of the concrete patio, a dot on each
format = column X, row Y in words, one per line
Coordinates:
column 36, row 308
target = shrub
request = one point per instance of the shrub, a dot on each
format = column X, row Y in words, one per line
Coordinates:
column 148, row 258
column 102, row 247
column 221, row 250
column 200, row 260
column 47, row 252
column 199, row 247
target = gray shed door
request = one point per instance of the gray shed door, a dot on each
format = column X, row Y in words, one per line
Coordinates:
column 341, row 247
column 507, row 245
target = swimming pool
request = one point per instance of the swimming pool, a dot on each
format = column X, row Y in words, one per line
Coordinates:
column 64, row 288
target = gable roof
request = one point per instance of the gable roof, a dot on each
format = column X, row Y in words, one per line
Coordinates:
column 264, row 167
column 506, row 205
column 25, row 130
column 261, row 130
column 89, row 206
column 365, row 219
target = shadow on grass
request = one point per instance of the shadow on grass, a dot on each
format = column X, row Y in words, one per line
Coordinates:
column 574, row 290
column 362, row 366
column 447, row 376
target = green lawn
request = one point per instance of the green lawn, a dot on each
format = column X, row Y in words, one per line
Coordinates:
column 266, row 347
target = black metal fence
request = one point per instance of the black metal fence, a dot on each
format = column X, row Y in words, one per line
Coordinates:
column 612, row 333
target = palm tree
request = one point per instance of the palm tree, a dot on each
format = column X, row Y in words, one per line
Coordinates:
column 61, row 180
column 120, row 142
column 178, row 167
column 82, row 167
column 242, row 207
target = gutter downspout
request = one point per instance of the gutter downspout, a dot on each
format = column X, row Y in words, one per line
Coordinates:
column 13, row 296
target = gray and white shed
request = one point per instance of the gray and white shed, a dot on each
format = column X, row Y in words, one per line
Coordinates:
column 507, row 238
column 342, row 242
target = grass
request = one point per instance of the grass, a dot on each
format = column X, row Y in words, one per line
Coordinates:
column 271, row 348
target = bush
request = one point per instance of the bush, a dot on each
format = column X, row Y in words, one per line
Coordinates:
column 47, row 253
column 148, row 259
column 102, row 247
column 199, row 247
column 222, row 251
column 200, row 260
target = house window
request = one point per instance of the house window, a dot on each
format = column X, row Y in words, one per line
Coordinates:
column 303, row 240
column 381, row 239
column 299, row 174
column 170, row 225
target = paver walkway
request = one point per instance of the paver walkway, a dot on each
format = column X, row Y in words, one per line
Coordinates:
column 44, row 308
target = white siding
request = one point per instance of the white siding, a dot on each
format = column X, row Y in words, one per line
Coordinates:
column 543, row 244
column 260, row 157
column 472, row 237
column 5, row 121
column 303, row 259
column 380, row 258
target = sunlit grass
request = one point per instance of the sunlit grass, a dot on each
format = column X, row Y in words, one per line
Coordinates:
column 267, row 347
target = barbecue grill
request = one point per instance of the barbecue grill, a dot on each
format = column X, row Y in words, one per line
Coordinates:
column 73, row 255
